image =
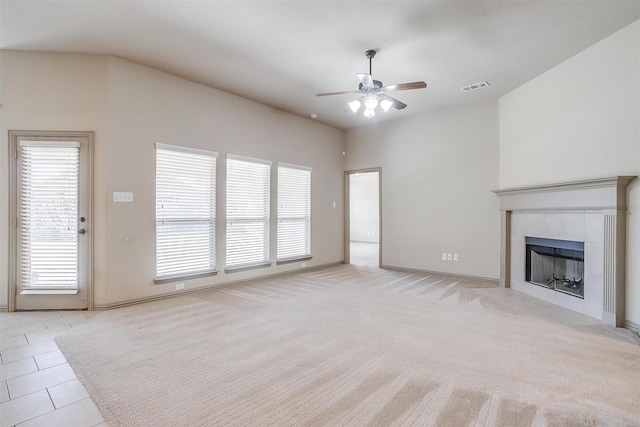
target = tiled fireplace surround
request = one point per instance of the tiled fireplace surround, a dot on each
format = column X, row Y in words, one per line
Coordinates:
column 590, row 211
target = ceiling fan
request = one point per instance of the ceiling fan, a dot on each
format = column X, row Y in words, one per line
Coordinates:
column 373, row 93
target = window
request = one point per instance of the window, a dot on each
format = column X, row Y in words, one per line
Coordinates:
column 294, row 212
column 185, row 211
column 49, row 212
column 247, row 212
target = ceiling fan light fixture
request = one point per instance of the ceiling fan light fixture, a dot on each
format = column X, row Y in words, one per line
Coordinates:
column 372, row 93
column 371, row 102
column 355, row 105
column 386, row 104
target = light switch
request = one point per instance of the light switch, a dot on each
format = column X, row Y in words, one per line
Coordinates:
column 122, row 197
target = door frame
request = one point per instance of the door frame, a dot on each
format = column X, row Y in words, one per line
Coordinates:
column 14, row 137
column 347, row 212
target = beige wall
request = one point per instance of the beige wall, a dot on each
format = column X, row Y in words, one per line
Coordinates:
column 580, row 120
column 132, row 107
column 438, row 171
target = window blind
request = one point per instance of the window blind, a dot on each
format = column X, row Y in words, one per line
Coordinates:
column 185, row 211
column 294, row 212
column 247, row 211
column 49, row 193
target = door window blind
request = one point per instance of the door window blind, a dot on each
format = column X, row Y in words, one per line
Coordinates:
column 185, row 211
column 247, row 211
column 49, row 193
column 294, row 212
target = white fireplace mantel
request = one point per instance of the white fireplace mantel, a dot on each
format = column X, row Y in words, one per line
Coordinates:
column 593, row 210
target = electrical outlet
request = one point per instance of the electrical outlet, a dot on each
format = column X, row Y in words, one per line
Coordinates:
column 303, row 265
column 455, row 257
column 179, row 286
column 444, row 256
column 449, row 257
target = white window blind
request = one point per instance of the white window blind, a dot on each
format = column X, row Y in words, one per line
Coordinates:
column 247, row 211
column 49, row 192
column 294, row 212
column 185, row 211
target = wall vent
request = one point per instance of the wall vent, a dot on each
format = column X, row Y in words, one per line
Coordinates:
column 474, row 86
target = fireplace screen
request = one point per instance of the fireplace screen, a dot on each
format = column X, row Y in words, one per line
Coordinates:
column 556, row 264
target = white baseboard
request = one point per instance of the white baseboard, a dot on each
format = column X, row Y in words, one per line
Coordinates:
column 632, row 326
column 440, row 273
column 126, row 303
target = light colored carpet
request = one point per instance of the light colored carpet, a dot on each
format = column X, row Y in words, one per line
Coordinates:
column 355, row 346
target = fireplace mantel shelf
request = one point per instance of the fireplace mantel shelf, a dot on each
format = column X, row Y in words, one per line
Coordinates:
column 614, row 181
column 600, row 193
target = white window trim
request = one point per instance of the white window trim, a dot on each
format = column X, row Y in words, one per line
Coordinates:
column 166, row 278
column 300, row 257
column 249, row 159
column 229, row 218
column 292, row 166
column 182, row 149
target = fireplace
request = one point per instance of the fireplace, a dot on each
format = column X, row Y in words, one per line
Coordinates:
column 555, row 264
column 588, row 278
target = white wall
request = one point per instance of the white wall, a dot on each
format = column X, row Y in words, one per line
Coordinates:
column 132, row 107
column 581, row 120
column 438, row 171
column 364, row 207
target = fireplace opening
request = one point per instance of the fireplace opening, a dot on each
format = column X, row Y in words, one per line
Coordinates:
column 556, row 264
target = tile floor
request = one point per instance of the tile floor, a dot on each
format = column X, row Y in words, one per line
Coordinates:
column 37, row 385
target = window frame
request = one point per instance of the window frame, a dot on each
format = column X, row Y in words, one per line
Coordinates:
column 265, row 218
column 211, row 218
column 307, row 217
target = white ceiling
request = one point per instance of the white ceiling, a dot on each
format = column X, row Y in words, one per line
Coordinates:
column 281, row 53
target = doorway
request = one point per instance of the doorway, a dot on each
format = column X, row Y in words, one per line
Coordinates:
column 363, row 241
column 51, row 242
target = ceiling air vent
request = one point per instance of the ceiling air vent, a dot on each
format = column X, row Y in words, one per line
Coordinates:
column 474, row 86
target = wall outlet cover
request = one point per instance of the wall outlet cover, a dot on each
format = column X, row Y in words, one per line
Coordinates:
column 123, row 197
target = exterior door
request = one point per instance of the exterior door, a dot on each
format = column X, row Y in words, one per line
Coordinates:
column 51, row 245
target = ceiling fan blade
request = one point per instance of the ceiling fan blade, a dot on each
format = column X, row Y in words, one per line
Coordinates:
column 337, row 93
column 366, row 80
column 406, row 86
column 398, row 105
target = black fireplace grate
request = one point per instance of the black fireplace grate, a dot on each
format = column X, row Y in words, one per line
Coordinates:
column 556, row 264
